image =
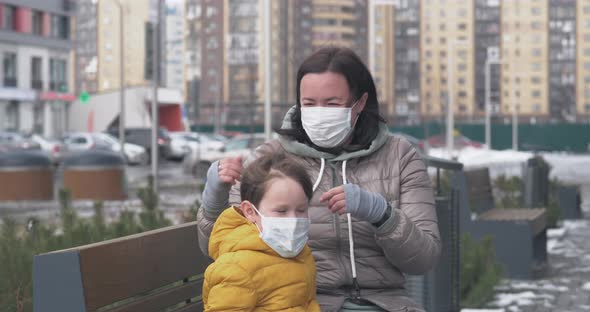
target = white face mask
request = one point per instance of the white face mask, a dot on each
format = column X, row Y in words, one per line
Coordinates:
column 286, row 236
column 327, row 126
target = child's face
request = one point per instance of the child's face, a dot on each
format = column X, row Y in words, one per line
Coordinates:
column 284, row 198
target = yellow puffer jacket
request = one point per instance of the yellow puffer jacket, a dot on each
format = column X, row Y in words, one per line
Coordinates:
column 247, row 275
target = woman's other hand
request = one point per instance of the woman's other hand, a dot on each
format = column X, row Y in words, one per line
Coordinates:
column 361, row 204
column 230, row 169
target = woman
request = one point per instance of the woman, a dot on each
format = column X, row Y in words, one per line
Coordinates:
column 372, row 212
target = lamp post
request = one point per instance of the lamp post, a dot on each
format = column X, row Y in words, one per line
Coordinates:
column 122, row 78
column 450, row 96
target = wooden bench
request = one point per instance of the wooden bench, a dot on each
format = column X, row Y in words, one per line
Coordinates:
column 152, row 271
column 519, row 234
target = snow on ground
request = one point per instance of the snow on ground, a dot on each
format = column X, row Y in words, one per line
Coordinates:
column 586, row 286
column 569, row 168
column 483, row 310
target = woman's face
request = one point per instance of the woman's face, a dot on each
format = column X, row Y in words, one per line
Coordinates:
column 284, row 198
column 328, row 89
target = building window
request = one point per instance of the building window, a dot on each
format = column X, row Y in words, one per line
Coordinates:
column 587, row 79
column 536, row 11
column 428, row 53
column 587, row 93
column 536, row 52
column 536, row 66
column 443, row 40
column 60, row 26
column 587, row 65
column 36, row 73
column 37, row 23
column 58, row 75
column 461, row 81
column 587, row 10
column 462, row 12
column 536, row 93
column 536, row 80
column 11, row 122
column 462, row 67
column 9, row 65
column 537, row 108
column 536, row 25
column 9, row 18
column 462, row 26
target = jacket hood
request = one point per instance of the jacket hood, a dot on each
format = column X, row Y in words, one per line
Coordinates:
column 304, row 150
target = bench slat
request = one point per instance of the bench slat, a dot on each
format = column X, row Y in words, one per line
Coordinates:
column 119, row 269
column 159, row 301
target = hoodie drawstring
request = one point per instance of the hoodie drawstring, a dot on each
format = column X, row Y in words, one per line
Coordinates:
column 351, row 241
column 350, row 237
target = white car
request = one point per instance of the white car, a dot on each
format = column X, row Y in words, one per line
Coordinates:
column 81, row 141
column 186, row 143
column 243, row 145
column 134, row 154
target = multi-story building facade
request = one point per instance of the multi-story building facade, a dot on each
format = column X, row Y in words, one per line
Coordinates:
column 174, row 46
column 525, row 63
column 447, row 47
column 487, row 48
column 36, row 51
column 583, row 60
column 562, row 59
column 192, row 56
column 406, row 61
column 383, row 69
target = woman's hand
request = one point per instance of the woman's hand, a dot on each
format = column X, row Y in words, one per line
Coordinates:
column 336, row 200
column 361, row 204
column 230, row 169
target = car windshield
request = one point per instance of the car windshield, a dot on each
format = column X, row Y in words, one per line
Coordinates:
column 107, row 138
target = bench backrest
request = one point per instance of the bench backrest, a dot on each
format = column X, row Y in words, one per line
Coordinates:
column 479, row 190
column 145, row 272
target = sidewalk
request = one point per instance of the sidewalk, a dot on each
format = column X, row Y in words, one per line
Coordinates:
column 565, row 285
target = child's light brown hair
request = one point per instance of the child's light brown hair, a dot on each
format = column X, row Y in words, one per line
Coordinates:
column 257, row 176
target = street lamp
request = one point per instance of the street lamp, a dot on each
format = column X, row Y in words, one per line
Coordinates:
column 268, row 69
column 122, row 79
column 488, row 104
column 508, row 38
column 450, row 110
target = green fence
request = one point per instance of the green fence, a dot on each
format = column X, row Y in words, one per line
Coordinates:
column 562, row 137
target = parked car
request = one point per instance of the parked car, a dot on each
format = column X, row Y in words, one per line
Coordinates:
column 241, row 145
column 83, row 141
column 134, row 154
column 185, row 143
column 55, row 149
column 143, row 137
column 16, row 141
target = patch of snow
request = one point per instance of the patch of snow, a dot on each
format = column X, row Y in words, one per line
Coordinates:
column 570, row 225
column 483, row 310
column 544, row 286
column 586, row 286
column 556, row 233
column 521, row 299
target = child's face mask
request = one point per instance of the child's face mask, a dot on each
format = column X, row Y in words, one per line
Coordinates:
column 286, row 236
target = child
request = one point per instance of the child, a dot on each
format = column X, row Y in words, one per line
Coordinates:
column 262, row 262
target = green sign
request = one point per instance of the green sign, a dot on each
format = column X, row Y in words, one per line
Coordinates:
column 84, row 97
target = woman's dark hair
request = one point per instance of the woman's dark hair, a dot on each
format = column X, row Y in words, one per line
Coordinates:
column 258, row 175
column 345, row 62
